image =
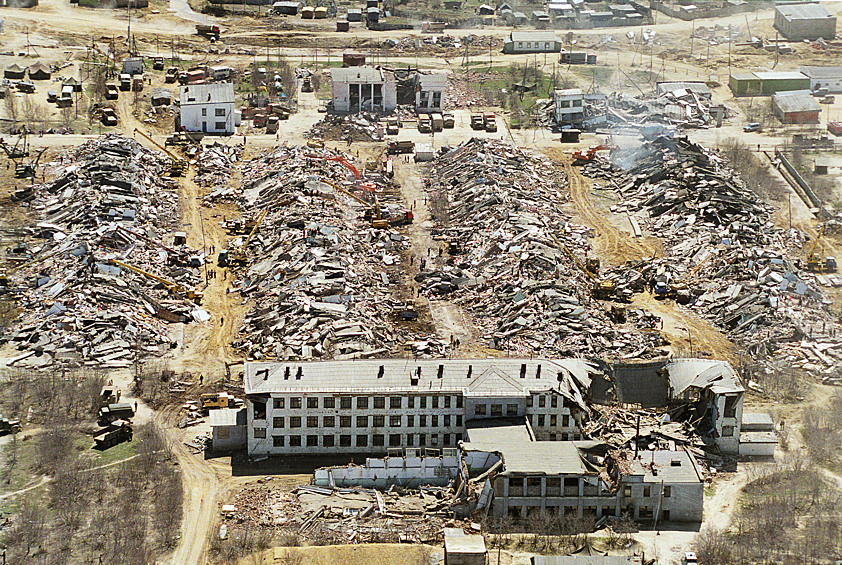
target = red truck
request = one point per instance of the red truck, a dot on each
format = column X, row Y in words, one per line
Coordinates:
column 835, row 128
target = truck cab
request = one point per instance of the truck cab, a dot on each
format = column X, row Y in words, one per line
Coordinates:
column 424, row 123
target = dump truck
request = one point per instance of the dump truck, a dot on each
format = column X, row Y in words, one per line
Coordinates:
column 425, row 125
column 109, row 394
column 477, row 122
column 171, row 75
column 210, row 31
column 272, row 123
column 449, row 120
column 392, row 126
column 116, row 432
column 158, row 64
column 109, row 117
column 113, row 412
column 216, row 400
column 137, row 83
column 125, row 82
column 396, row 147
column 307, row 84
column 437, row 121
column 111, row 92
column 258, row 120
column 490, row 122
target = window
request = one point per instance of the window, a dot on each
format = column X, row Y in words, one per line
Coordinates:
column 312, row 441
column 727, row 431
column 278, row 403
column 627, row 492
column 259, row 433
column 447, row 419
column 362, row 402
column 259, row 410
column 458, row 437
column 435, row 402
column 344, row 422
column 295, row 441
column 529, row 401
column 553, row 420
column 647, row 492
column 565, row 421
column 379, row 421
column 277, row 441
column 362, row 421
column 312, row 421
column 327, row 441
column 345, row 403
column 496, row 409
column 458, row 402
column 278, row 422
column 395, row 402
column 479, row 410
column 219, row 112
column 362, row 441
column 379, row 402
column 345, row 441
column 219, row 125
column 295, row 421
column 329, row 402
column 313, row 402
column 459, row 420
column 667, row 491
column 204, row 111
column 423, row 402
column 411, row 402
column 378, row 440
column 434, row 439
column 553, row 401
column 295, row 402
column 409, row 440
column 447, row 402
column 434, row 420
column 541, row 420
column 422, row 421
column 410, row 421
column 542, row 401
column 731, row 406
column 329, row 421
column 511, row 409
column 395, row 421
column 422, row 440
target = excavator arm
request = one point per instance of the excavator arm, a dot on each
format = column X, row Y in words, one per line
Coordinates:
column 179, row 165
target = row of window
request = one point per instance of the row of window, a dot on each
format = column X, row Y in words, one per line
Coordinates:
column 360, row 440
column 378, row 421
column 377, row 402
column 217, row 112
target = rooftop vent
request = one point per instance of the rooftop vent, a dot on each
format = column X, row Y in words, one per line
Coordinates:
column 264, row 373
column 286, row 373
column 675, row 463
column 538, row 372
column 470, row 370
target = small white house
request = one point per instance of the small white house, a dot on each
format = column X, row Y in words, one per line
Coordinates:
column 429, row 92
column 569, row 106
column 363, row 88
column 532, row 42
column 824, row 77
column 757, row 435
column 229, row 429
column 209, row 108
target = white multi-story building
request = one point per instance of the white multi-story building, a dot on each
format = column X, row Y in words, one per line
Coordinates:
column 209, row 108
column 429, row 92
column 363, row 88
column 373, row 405
column 569, row 106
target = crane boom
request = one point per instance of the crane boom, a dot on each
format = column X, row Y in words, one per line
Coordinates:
column 171, row 251
column 812, row 253
column 346, row 192
column 178, row 163
column 170, row 285
column 339, row 159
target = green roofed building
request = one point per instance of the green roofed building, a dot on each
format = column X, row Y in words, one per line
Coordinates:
column 767, row 83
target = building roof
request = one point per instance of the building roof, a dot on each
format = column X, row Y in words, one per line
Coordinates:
column 534, row 36
column 216, row 93
column 699, row 87
column 486, row 377
column 541, row 458
column 795, row 101
column 784, row 75
column 456, row 541
column 822, row 72
column 483, row 435
column 568, row 92
column 668, row 466
column 227, row 417
column 39, row 67
column 803, row 11
column 757, row 419
column 357, row 75
column 743, row 76
column 758, row 437
column 718, row 376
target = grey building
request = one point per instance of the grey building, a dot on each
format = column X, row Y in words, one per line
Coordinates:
column 802, row 20
column 824, row 77
column 532, row 42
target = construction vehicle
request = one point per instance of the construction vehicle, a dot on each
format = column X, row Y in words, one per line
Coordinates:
column 8, row 426
column 125, row 82
column 171, row 75
column 216, row 400
column 316, row 143
column 307, row 84
column 113, row 412
column 835, row 128
column 580, row 158
column 258, row 120
column 477, row 122
column 173, row 288
column 396, row 147
column 449, row 120
column 109, row 394
column 490, row 121
column 816, row 264
column 406, row 312
column 602, row 289
column 373, row 213
column 158, row 64
column 20, row 149
column 592, row 265
column 173, row 255
column 425, row 125
column 240, row 256
column 137, row 83
column 272, row 123
column 27, row 170
column 375, row 164
column 210, row 31
column 342, row 160
column 392, row 126
column 116, row 432
column 108, row 117
column 437, row 122
column 184, row 137
column 179, row 165
column 111, row 91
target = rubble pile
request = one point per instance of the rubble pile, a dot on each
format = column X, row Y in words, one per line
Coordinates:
column 322, row 279
column 679, row 107
column 444, row 43
column 110, row 201
column 462, row 89
column 214, row 163
column 725, row 257
column 360, row 127
column 505, row 223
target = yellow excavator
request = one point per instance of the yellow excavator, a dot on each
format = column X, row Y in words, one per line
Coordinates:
column 172, row 287
column 815, row 263
column 240, row 256
column 373, row 214
column 375, row 164
column 602, row 289
column 179, row 165
column 662, row 289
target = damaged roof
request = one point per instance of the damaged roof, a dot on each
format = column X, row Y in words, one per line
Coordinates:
column 668, row 466
column 796, row 101
column 718, row 376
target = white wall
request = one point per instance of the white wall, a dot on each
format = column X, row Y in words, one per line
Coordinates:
column 203, row 117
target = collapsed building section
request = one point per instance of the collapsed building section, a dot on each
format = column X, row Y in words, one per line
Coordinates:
column 103, row 286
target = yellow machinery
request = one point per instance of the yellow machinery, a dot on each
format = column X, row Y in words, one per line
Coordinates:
column 814, row 263
column 239, row 258
column 172, row 287
column 375, row 164
column 179, row 165
column 373, row 213
column 603, row 289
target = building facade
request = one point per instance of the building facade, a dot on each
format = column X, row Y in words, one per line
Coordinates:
column 208, row 108
column 824, row 77
column 569, row 106
column 766, row 83
column 532, row 42
column 429, row 92
column 363, row 88
column 796, row 107
column 318, row 408
column 798, row 21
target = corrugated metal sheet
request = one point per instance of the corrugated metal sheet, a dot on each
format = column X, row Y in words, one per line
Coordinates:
column 795, row 101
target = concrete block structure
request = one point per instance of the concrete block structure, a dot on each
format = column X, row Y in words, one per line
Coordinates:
column 463, row 549
column 208, row 108
column 363, row 88
column 532, row 42
column 228, row 429
column 569, row 106
column 757, row 436
column 798, row 21
column 824, row 77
